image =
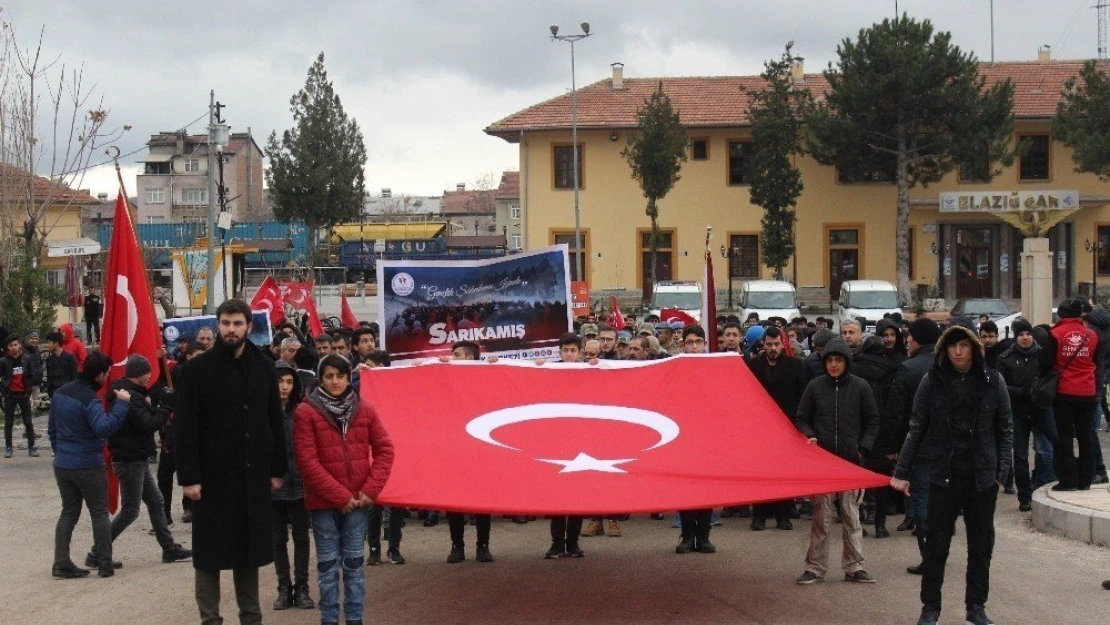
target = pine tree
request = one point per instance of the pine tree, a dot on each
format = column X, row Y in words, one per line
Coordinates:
column 316, row 170
column 777, row 112
column 655, row 153
column 1083, row 120
column 906, row 106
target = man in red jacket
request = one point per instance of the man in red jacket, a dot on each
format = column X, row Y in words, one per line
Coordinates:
column 1076, row 397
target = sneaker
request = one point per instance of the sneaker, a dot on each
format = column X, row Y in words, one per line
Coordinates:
column 7, row 452
column 1106, row 584
column 917, row 569
column 930, row 615
column 859, row 577
column 375, row 557
column 482, row 554
column 187, row 516
column 809, row 577
column 457, row 554
column 784, row 524
column 881, row 532
column 93, row 562
column 1100, row 478
column 614, row 529
column 686, row 545
column 33, row 452
column 556, row 551
column 176, row 553
column 704, row 546
column 905, row 525
column 395, row 556
column 977, row 615
column 595, row 528
column 1025, row 506
column 68, row 571
column 574, row 551
column 106, row 571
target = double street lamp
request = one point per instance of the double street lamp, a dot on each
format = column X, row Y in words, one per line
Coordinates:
column 1093, row 250
column 579, row 249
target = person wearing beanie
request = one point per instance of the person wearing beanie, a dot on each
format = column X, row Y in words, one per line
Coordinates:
column 1021, row 366
column 837, row 411
column 132, row 445
column 78, row 428
column 1099, row 320
column 920, row 345
column 815, row 363
column 1074, row 346
column 962, row 422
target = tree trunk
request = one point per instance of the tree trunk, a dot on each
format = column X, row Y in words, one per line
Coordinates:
column 311, row 260
column 902, row 223
column 654, row 248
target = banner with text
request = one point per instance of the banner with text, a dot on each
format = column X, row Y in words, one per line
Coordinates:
column 514, row 307
column 186, row 328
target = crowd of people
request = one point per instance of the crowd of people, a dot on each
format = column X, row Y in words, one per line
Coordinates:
column 272, row 443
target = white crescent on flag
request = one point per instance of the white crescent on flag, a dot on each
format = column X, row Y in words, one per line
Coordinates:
column 123, row 290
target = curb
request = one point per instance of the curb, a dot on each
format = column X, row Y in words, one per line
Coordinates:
column 1068, row 520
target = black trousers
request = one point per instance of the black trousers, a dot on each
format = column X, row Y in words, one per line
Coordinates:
column 286, row 514
column 23, row 402
column 1073, row 422
column 246, row 595
column 696, row 523
column 978, row 508
column 167, row 466
column 780, row 510
column 565, row 530
column 92, row 330
column 456, row 521
column 392, row 530
column 77, row 487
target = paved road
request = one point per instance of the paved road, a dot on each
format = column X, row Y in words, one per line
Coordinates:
column 636, row 579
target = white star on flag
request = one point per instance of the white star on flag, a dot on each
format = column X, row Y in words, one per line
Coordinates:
column 586, row 462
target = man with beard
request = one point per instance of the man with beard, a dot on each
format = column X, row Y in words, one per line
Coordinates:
column 785, row 380
column 852, row 333
column 230, row 454
column 607, row 336
column 695, row 523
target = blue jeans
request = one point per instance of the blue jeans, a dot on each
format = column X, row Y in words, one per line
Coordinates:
column 1096, row 421
column 339, row 539
column 1042, row 426
column 919, row 499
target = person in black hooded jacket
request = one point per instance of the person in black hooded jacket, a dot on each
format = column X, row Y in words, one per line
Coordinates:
column 878, row 364
column 1098, row 318
column 962, row 424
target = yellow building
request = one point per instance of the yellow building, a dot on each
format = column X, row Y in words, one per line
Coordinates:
column 844, row 230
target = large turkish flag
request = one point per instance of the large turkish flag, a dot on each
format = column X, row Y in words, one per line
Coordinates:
column 579, row 439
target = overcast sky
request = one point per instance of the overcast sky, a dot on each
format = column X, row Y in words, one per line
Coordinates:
column 424, row 77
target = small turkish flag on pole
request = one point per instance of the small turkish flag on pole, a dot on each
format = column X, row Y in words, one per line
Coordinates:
column 314, row 326
column 346, row 315
column 618, row 318
column 268, row 298
column 130, row 325
column 709, row 302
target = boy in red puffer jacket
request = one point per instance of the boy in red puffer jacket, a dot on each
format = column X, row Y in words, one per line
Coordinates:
column 345, row 456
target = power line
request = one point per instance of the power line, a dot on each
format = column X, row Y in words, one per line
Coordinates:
column 131, row 153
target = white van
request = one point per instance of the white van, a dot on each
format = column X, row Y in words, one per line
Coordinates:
column 684, row 296
column 768, row 298
column 867, row 300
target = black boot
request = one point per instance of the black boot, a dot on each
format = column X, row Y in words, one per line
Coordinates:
column 301, row 599
column 457, row 554
column 284, row 599
column 686, row 545
column 483, row 554
column 881, row 532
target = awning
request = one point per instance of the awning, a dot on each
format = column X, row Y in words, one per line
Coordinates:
column 374, row 232
column 72, row 247
column 156, row 158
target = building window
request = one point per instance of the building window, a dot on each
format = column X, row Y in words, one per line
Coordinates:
column 976, row 168
column 664, row 258
column 699, row 149
column 156, row 169
column 155, row 196
column 564, row 174
column 514, row 241
column 192, row 165
column 844, row 253
column 1103, row 250
column 193, row 219
column 194, row 195
column 574, row 253
column 56, row 278
column 155, row 219
column 514, row 211
column 739, row 155
column 865, row 174
column 743, row 259
column 1033, row 163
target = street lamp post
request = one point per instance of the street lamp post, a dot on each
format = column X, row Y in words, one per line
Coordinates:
column 572, row 39
column 730, row 254
column 1092, row 249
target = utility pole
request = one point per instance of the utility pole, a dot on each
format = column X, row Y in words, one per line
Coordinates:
column 580, row 249
column 217, row 137
column 1102, row 27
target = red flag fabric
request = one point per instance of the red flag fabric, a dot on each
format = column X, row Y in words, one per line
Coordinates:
column 130, row 325
column 315, row 327
column 346, row 315
column 516, row 438
column 618, row 318
column 269, row 298
column 670, row 314
column 296, row 293
column 709, row 303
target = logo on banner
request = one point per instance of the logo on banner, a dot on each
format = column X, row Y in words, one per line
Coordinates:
column 482, row 428
column 403, row 284
column 171, row 333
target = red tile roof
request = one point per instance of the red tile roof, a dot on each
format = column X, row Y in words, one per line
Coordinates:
column 13, row 187
column 718, row 101
column 468, row 203
column 509, row 188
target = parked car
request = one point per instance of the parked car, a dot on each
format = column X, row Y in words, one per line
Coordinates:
column 768, row 298
column 974, row 307
column 867, row 301
column 684, row 296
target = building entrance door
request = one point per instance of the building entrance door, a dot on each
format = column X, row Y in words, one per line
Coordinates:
column 976, row 261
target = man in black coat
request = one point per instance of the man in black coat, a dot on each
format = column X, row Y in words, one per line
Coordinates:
column 962, row 423
column 230, row 445
column 785, row 380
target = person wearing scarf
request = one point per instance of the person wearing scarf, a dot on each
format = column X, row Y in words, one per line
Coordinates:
column 344, row 455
